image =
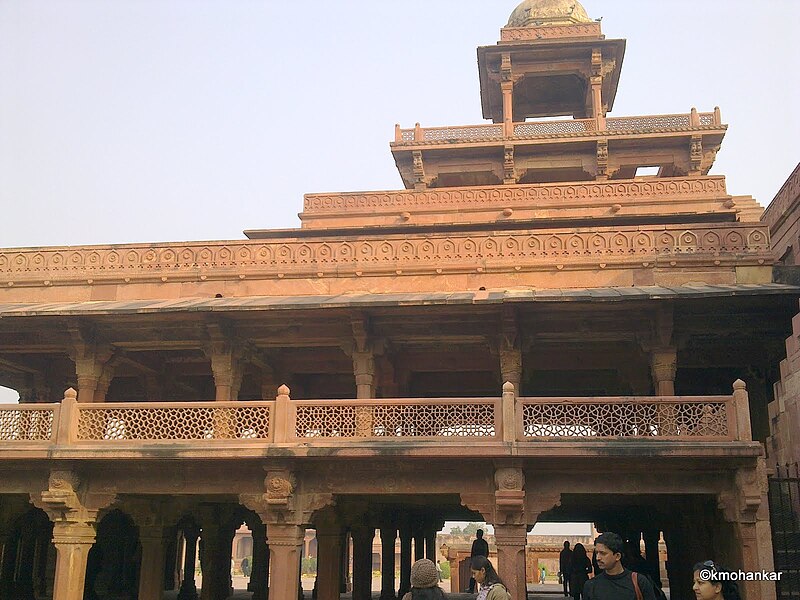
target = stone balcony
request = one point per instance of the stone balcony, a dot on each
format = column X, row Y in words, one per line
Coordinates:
column 611, row 126
column 557, row 151
column 672, row 426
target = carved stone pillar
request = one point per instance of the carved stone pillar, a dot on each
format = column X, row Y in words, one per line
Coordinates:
column 73, row 542
column 511, row 541
column 511, row 366
column 104, row 382
column 151, row 573
column 430, row 543
column 74, row 519
column 507, row 88
column 88, row 370
column 419, row 542
column 259, row 575
column 188, row 589
column 388, row 539
column 346, row 583
column 227, row 370
column 362, row 561
column 9, row 544
column 663, row 366
column 329, row 560
column 286, row 544
column 651, row 537
column 405, row 557
column 216, row 559
column 364, row 369
column 747, row 508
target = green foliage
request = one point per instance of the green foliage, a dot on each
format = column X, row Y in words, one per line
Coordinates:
column 472, row 528
column 456, row 530
column 445, row 569
column 309, row 566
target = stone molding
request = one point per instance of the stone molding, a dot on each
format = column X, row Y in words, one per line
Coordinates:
column 788, row 195
column 514, row 195
column 515, row 34
column 735, row 243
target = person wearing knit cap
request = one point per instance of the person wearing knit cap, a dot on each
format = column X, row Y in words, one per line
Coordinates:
column 424, row 582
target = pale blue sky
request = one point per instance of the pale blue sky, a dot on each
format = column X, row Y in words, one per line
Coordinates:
column 156, row 120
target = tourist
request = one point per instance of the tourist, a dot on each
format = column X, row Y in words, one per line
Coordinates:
column 479, row 548
column 564, row 564
column 615, row 582
column 580, row 567
column 542, row 575
column 708, row 588
column 424, row 582
column 439, row 571
column 491, row 586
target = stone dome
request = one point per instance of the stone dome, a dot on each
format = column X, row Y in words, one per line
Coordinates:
column 548, row 12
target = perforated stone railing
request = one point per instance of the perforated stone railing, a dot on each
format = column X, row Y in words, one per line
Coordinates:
column 571, row 127
column 709, row 417
column 174, row 421
column 286, row 422
column 403, row 418
column 27, row 422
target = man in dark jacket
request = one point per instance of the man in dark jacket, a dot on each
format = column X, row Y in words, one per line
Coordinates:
column 615, row 582
column 565, row 566
column 479, row 548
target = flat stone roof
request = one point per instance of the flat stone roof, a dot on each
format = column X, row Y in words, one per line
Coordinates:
column 361, row 300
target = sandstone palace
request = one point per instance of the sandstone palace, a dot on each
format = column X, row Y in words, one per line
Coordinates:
column 562, row 317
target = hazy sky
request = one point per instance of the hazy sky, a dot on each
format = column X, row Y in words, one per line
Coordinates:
column 137, row 120
column 166, row 120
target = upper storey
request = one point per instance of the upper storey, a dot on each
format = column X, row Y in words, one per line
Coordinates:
column 552, row 60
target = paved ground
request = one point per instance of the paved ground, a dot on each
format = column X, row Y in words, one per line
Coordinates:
column 535, row 592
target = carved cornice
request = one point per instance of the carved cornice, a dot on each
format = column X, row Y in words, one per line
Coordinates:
column 515, row 34
column 788, row 196
column 514, row 195
column 735, row 243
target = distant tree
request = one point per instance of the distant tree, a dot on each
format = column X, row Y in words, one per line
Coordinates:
column 473, row 527
column 456, row 530
column 445, row 569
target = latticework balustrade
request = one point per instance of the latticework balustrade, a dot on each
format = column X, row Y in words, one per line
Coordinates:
column 192, row 422
column 648, row 122
column 605, row 419
column 26, row 423
column 534, row 128
column 413, row 420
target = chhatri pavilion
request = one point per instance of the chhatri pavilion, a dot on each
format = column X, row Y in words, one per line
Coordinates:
column 561, row 317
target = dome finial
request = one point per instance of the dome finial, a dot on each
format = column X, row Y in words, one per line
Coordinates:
column 548, row 12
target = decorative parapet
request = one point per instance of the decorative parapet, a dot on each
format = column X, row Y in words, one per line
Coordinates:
column 401, row 418
column 523, row 34
column 172, row 421
column 27, row 422
column 788, row 196
column 527, row 130
column 738, row 243
column 514, row 195
column 662, row 417
column 324, row 422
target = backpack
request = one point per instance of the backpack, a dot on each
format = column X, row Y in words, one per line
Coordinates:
column 660, row 595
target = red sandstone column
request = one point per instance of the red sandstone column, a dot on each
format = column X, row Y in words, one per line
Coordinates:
column 664, row 365
column 151, row 573
column 329, row 561
column 285, row 543
column 511, row 541
column 188, row 589
column 73, row 542
column 405, row 557
column 362, row 561
column 388, row 538
column 508, row 108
